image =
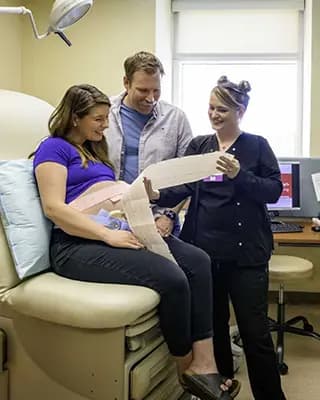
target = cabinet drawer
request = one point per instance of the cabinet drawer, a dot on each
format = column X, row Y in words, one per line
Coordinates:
column 152, row 370
column 169, row 389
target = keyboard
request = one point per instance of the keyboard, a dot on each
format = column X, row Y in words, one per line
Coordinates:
column 284, row 227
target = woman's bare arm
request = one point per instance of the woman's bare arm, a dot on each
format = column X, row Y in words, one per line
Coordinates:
column 51, row 178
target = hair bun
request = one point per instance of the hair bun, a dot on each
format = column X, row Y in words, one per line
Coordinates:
column 223, row 79
column 244, row 86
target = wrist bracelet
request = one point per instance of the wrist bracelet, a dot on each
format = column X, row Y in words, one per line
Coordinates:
column 170, row 214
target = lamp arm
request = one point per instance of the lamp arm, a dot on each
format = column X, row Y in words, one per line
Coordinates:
column 13, row 10
column 24, row 11
column 34, row 27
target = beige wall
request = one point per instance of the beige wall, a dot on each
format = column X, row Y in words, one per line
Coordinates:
column 111, row 31
column 10, row 49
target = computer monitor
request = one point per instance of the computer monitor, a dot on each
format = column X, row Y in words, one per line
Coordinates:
column 290, row 196
column 310, row 206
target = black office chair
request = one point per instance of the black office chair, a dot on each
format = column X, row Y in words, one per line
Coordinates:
column 283, row 268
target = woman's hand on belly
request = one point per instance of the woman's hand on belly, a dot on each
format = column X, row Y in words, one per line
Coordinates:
column 125, row 239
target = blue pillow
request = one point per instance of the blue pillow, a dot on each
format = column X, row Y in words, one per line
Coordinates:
column 27, row 230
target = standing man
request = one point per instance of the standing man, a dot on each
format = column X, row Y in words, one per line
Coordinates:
column 144, row 129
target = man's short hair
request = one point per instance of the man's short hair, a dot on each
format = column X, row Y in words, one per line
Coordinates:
column 142, row 61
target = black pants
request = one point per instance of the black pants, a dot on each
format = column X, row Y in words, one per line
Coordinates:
column 247, row 288
column 185, row 289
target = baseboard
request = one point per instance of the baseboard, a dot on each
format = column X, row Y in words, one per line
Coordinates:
column 296, row 297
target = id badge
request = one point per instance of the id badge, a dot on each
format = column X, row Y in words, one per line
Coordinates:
column 214, row 178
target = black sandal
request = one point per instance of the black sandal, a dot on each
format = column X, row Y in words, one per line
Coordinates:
column 234, row 388
column 205, row 386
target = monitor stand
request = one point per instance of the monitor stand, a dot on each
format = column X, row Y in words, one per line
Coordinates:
column 274, row 214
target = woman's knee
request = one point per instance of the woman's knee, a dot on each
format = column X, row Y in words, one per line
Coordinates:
column 189, row 253
column 203, row 259
column 200, row 268
column 177, row 282
column 199, row 255
column 198, row 261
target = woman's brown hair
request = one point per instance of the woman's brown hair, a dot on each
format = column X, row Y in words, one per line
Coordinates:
column 232, row 94
column 78, row 101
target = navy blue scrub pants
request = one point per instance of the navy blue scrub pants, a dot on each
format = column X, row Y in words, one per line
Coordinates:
column 247, row 287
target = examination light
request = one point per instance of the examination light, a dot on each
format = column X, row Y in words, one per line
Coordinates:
column 63, row 14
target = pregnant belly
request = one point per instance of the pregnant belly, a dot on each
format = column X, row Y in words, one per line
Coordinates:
column 105, row 195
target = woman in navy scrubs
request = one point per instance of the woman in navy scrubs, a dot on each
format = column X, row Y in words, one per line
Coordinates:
column 227, row 218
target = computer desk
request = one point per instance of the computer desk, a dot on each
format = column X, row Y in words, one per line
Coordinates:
column 306, row 238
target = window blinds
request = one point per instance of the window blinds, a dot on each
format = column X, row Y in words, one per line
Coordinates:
column 180, row 5
column 237, row 31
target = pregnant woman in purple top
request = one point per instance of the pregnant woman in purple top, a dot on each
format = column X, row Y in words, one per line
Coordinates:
column 73, row 160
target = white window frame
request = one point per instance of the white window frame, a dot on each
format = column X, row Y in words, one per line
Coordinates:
column 172, row 61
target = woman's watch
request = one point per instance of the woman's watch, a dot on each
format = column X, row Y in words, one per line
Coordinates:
column 170, row 214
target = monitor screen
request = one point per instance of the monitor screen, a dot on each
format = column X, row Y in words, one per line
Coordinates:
column 290, row 196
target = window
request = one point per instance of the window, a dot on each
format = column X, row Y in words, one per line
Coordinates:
column 255, row 40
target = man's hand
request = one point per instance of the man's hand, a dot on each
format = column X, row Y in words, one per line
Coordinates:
column 164, row 225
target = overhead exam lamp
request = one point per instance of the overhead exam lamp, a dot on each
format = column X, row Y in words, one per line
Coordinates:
column 63, row 14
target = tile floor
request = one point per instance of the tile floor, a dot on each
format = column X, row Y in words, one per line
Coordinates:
column 302, row 354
